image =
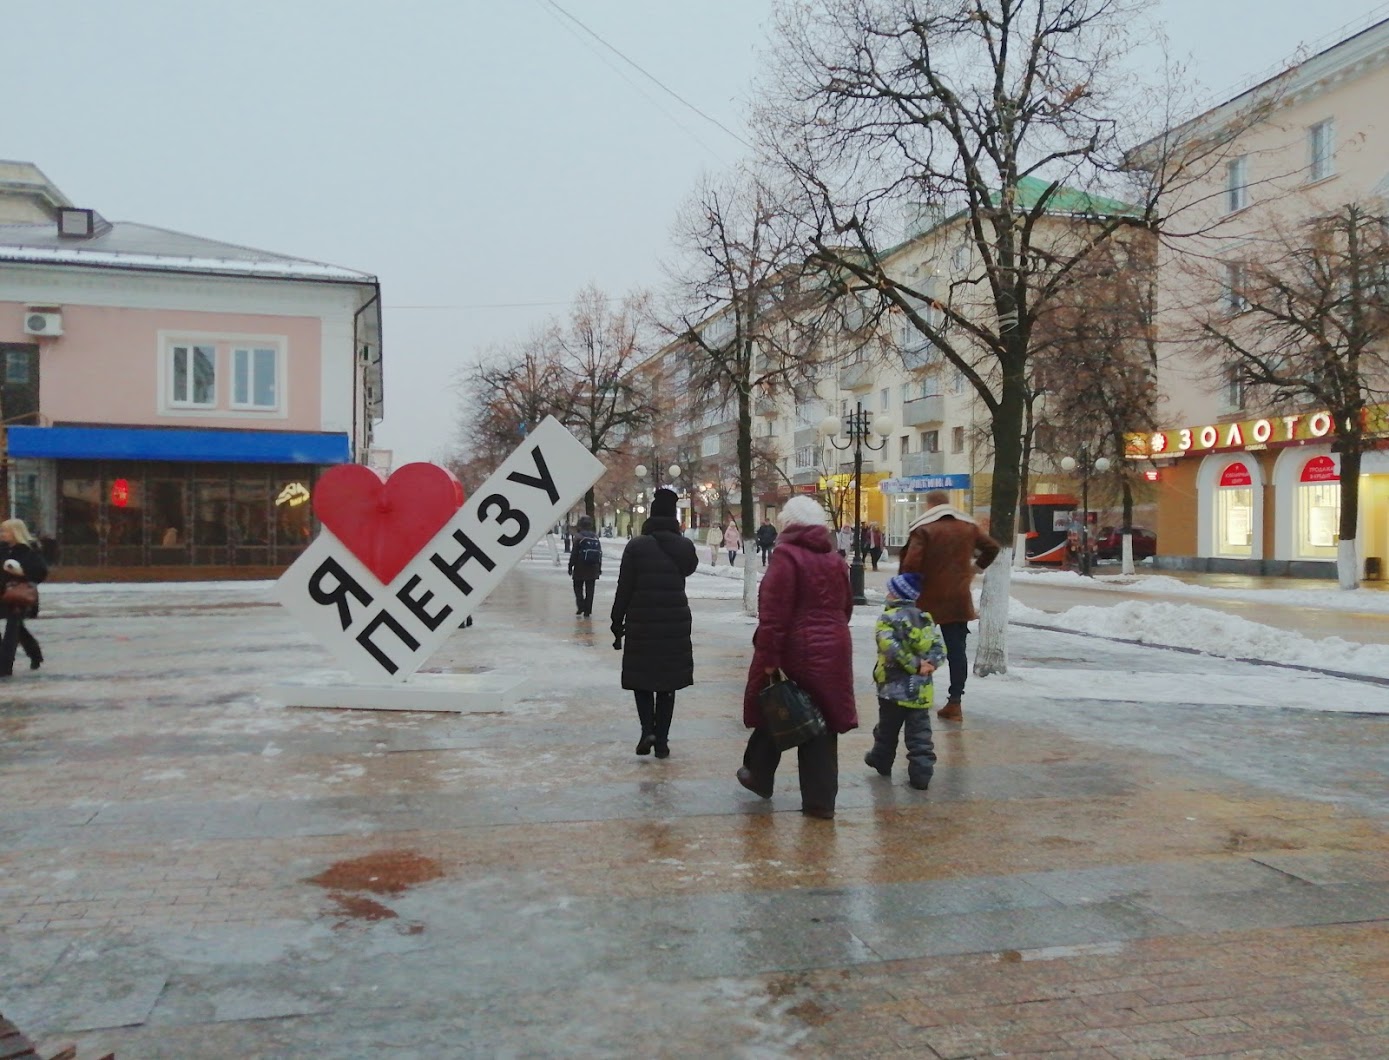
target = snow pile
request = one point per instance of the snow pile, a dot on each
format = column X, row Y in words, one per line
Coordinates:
column 1212, row 633
column 1374, row 601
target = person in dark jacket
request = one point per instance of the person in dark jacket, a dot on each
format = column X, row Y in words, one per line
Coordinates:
column 766, row 540
column 20, row 560
column 651, row 614
column 803, row 611
column 585, row 565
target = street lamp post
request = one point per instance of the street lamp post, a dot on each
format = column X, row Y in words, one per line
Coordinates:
column 857, row 431
column 1086, row 465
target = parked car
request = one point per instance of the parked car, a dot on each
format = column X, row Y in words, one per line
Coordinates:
column 1109, row 543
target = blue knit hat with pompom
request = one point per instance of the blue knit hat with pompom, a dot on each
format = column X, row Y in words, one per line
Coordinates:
column 904, row 586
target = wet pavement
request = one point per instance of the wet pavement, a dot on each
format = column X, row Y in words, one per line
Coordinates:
column 188, row 870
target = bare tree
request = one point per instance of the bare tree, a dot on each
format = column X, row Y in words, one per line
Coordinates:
column 506, row 394
column 1096, row 368
column 1006, row 119
column 1309, row 321
column 749, row 313
column 596, row 352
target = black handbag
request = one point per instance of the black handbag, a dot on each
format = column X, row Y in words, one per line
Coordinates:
column 788, row 713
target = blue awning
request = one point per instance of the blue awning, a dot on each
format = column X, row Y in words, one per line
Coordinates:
column 178, row 444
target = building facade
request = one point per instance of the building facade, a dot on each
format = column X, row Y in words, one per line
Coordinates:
column 1249, row 481
column 168, row 400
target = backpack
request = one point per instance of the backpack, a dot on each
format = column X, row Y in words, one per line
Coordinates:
column 590, row 551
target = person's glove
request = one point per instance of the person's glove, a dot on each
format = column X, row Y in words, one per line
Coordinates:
column 617, row 641
column 12, row 567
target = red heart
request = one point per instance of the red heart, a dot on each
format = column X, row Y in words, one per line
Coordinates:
column 385, row 522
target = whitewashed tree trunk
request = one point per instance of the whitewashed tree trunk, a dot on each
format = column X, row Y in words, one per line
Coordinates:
column 749, row 587
column 1347, row 565
column 1020, row 552
column 1126, row 547
column 991, row 657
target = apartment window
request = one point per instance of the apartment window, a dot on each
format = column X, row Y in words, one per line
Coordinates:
column 1236, row 184
column 805, row 456
column 255, row 378
column 1320, row 147
column 957, row 381
column 930, row 441
column 193, row 375
column 709, row 446
column 1234, row 387
column 904, row 445
column 957, row 439
column 1235, row 287
column 884, row 396
column 906, row 392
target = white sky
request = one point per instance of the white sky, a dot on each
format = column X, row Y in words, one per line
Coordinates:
column 470, row 153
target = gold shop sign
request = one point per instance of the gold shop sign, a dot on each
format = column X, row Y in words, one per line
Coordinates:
column 1248, row 434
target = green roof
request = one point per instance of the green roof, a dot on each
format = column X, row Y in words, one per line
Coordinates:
column 1072, row 201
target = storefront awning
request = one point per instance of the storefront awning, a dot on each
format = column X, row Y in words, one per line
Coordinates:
column 178, row 444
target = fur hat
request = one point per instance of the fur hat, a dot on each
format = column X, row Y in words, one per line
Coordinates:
column 663, row 504
column 904, row 586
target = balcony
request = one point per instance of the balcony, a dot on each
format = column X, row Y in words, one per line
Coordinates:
column 923, row 463
column 847, row 467
column 921, row 411
column 856, row 376
column 765, row 406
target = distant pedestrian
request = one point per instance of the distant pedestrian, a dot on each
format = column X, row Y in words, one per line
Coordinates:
column 20, row 562
column 585, row 565
column 766, row 540
column 714, row 539
column 910, row 650
column 804, row 605
column 652, row 615
column 845, row 540
column 732, row 541
column 946, row 548
column 874, row 543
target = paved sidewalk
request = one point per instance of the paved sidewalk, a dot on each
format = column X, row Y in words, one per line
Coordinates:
column 189, row 871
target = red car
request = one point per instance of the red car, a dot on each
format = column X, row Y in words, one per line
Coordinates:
column 1109, row 543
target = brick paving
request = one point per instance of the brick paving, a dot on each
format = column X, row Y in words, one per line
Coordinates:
column 168, row 844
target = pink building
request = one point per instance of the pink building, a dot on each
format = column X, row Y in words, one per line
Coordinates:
column 169, row 401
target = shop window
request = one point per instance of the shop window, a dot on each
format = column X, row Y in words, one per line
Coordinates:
column 293, row 518
column 79, row 515
column 124, row 492
column 168, row 520
column 249, row 529
column 1234, row 512
column 211, row 504
column 1318, row 509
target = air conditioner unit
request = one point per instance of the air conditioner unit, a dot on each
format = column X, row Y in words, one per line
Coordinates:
column 43, row 321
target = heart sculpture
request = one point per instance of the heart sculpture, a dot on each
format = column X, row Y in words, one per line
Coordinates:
column 385, row 522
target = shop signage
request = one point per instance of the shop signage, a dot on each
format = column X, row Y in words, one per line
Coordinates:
column 1320, row 469
column 401, row 561
column 1237, row 474
column 1248, row 434
column 922, row 483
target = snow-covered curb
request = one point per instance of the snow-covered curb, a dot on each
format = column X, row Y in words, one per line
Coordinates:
column 1375, row 601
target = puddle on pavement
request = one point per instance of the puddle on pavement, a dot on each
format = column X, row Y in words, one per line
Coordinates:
column 385, row 872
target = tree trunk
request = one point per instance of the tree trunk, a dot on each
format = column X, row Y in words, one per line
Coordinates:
column 1126, row 529
column 591, row 504
column 992, row 655
column 749, row 528
column 1347, row 562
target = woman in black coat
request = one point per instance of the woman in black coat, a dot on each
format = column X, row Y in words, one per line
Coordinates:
column 20, row 560
column 651, row 613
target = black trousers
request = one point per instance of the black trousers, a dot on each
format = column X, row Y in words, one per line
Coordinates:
column 955, row 634
column 914, row 723
column 16, row 634
column 583, row 595
column 818, row 761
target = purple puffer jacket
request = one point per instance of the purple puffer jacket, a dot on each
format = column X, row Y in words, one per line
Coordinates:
column 803, row 610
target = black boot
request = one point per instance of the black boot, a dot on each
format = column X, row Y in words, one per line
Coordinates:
column 665, row 710
column 647, row 716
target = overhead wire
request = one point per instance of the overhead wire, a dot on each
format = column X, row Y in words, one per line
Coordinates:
column 554, row 7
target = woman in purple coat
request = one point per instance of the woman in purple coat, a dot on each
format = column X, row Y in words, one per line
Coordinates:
column 803, row 611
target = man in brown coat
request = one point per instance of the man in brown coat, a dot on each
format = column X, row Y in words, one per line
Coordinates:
column 947, row 549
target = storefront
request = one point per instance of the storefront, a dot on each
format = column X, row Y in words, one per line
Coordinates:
column 1267, row 496
column 905, row 500
column 839, row 493
column 133, row 498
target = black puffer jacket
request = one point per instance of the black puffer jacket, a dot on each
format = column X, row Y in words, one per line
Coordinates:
column 31, row 560
column 650, row 609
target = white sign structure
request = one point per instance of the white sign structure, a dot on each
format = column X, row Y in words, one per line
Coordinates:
column 384, row 633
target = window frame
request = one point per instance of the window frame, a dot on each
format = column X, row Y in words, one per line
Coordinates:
column 223, row 404
column 189, row 347
column 1327, row 160
column 1237, row 194
column 251, row 349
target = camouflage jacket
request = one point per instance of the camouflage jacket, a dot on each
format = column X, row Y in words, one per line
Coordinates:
column 906, row 637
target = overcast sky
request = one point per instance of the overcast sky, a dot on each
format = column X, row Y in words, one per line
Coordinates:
column 474, row 154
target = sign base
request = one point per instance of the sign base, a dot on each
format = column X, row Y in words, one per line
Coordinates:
column 453, row 693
